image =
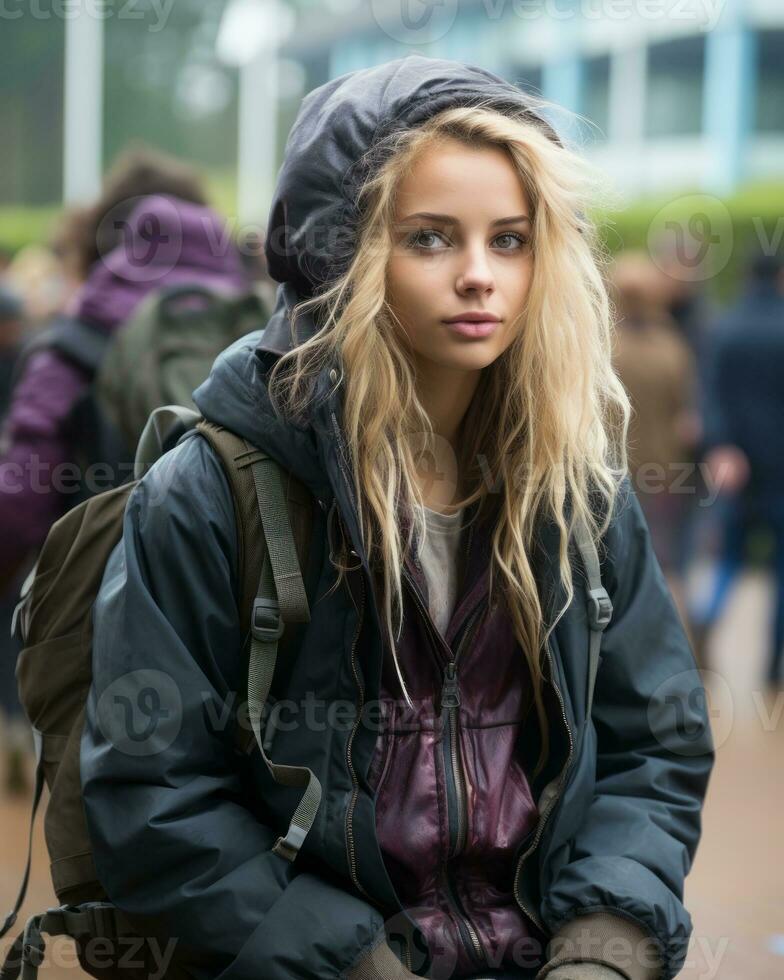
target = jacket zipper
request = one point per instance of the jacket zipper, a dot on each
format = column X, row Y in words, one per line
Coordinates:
column 341, row 463
column 350, row 848
column 559, row 783
column 349, row 831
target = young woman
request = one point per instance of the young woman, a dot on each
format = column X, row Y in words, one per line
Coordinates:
column 437, row 374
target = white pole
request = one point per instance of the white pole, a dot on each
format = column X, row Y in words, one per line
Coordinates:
column 626, row 128
column 258, row 129
column 83, row 104
column 250, row 36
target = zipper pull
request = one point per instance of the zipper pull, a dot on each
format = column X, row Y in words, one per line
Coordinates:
column 450, row 692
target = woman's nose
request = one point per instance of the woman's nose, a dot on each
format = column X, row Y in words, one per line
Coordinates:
column 475, row 273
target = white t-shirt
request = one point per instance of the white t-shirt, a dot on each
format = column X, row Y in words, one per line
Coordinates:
column 438, row 556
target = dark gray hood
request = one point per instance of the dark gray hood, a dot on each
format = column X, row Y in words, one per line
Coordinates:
column 336, row 141
column 311, row 235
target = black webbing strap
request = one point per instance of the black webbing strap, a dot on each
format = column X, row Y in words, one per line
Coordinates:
column 26, row 954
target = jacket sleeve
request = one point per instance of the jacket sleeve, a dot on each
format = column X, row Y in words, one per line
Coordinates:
column 654, row 753
column 33, row 450
column 176, row 844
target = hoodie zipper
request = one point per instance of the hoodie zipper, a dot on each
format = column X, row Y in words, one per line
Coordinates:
column 558, row 783
column 453, row 767
column 453, row 771
column 450, row 702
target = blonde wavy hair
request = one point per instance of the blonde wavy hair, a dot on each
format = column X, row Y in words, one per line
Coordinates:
column 550, row 417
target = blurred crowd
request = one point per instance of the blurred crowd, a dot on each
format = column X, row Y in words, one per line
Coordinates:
column 88, row 319
column 122, row 310
column 705, row 437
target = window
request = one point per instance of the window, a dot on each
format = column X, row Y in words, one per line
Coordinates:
column 596, row 96
column 769, row 110
column 674, row 92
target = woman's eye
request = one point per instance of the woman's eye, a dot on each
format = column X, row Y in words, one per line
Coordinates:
column 419, row 238
column 518, row 241
column 428, row 240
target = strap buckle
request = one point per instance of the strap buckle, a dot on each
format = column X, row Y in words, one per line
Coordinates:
column 288, row 846
column 266, row 624
column 103, row 921
column 600, row 609
column 33, row 954
column 87, row 919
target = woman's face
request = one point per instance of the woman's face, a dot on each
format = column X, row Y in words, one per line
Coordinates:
column 461, row 238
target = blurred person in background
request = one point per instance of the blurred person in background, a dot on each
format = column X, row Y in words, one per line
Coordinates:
column 38, row 277
column 150, row 228
column 744, row 415
column 680, row 288
column 680, row 262
column 91, row 233
column 657, row 368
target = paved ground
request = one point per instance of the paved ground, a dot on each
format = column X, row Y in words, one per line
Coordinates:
column 736, row 889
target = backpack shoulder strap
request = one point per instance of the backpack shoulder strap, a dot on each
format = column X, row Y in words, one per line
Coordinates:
column 272, row 594
column 79, row 342
column 237, row 456
column 599, row 605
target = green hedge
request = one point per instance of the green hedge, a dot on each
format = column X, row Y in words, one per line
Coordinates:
column 751, row 218
column 20, row 226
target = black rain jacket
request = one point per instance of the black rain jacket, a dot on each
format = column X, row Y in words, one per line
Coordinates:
column 182, row 825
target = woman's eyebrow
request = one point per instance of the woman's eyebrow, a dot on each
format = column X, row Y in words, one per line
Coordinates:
column 450, row 219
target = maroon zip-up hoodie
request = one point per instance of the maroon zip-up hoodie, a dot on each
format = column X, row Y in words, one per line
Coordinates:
column 453, row 801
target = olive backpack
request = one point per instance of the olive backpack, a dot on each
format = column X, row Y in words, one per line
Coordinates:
column 53, row 621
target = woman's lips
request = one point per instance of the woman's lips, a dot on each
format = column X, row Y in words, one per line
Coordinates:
column 473, row 328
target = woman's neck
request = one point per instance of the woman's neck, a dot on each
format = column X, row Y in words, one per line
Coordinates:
column 441, row 488
column 445, row 394
column 446, row 397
